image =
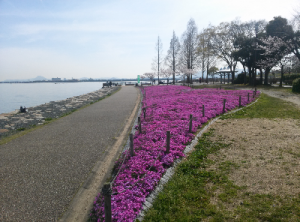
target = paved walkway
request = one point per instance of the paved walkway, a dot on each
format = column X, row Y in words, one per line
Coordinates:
column 41, row 172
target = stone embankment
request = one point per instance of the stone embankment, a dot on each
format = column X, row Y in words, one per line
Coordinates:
column 13, row 122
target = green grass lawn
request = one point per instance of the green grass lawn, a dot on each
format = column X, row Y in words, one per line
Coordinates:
column 197, row 193
column 268, row 87
column 216, row 85
column 267, row 107
column 237, row 86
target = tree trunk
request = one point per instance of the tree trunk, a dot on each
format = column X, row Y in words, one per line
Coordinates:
column 245, row 75
column 158, row 64
column 250, row 74
column 232, row 68
column 174, row 78
column 267, row 71
column 254, row 76
column 261, row 77
column 281, row 76
column 174, row 63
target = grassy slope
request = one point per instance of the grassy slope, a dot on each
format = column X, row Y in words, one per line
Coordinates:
column 187, row 196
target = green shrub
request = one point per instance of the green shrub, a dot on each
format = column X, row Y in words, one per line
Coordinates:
column 240, row 79
column 273, row 80
column 289, row 78
column 296, row 85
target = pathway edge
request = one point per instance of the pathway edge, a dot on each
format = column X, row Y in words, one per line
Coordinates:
column 82, row 203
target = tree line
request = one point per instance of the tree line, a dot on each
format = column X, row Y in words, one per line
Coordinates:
column 257, row 45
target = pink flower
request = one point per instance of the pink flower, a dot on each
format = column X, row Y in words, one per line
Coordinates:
column 168, row 108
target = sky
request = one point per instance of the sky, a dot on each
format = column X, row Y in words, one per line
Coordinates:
column 108, row 38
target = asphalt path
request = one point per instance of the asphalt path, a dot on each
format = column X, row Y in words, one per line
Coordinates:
column 41, row 172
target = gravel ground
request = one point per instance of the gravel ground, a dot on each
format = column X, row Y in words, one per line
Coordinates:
column 266, row 150
column 10, row 123
column 290, row 97
column 41, row 172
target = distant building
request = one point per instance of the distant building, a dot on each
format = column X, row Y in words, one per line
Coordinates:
column 56, row 79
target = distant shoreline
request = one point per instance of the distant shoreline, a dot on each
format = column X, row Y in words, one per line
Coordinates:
column 64, row 81
column 15, row 121
column 77, row 81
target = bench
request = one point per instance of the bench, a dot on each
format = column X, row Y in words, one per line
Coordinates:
column 105, row 85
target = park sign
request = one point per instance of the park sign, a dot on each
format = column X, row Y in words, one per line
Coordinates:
column 138, row 78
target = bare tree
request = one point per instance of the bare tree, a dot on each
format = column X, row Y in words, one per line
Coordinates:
column 186, row 73
column 172, row 58
column 142, row 78
column 167, row 73
column 180, row 72
column 201, row 50
column 158, row 60
column 295, row 22
column 188, row 53
column 222, row 42
column 206, row 53
column 149, row 75
column 212, row 71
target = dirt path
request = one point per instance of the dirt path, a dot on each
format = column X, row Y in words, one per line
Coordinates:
column 290, row 97
column 281, row 94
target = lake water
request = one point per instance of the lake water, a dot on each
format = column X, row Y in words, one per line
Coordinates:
column 14, row 95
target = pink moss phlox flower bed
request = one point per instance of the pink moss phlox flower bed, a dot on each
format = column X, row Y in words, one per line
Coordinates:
column 168, row 108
